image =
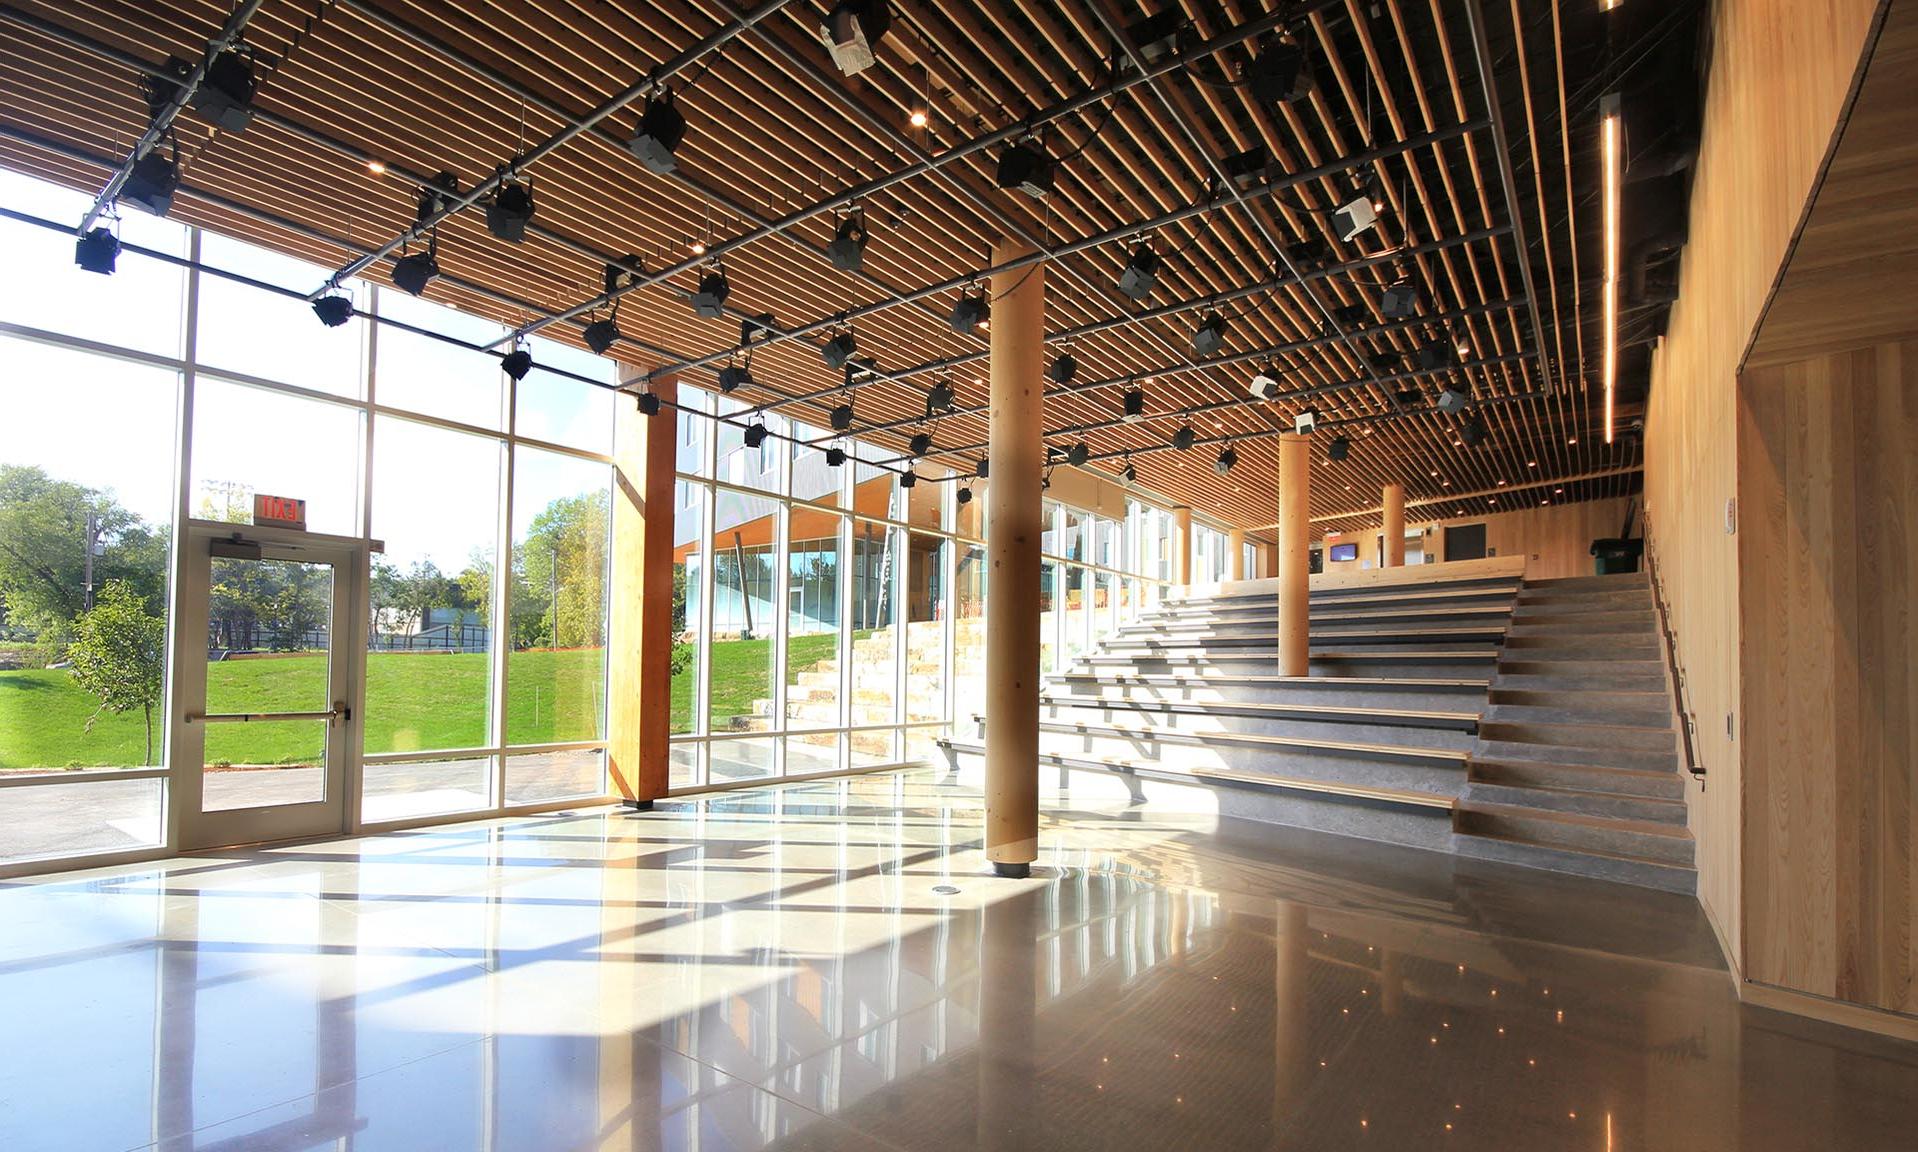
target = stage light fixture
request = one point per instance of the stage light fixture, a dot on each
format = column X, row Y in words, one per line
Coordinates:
column 151, row 184
column 1435, row 355
column 756, row 434
column 411, row 274
column 971, row 312
column 1338, row 449
column 710, row 300
column 1026, row 166
column 838, row 351
column 835, row 457
column 1454, row 398
column 1386, row 361
column 649, row 404
column 1472, row 432
column 1246, row 168
column 1155, row 37
column 840, row 417
column 1078, row 454
column 1304, row 422
column 1132, row 409
column 847, row 251
column 1410, row 397
column 509, row 211
column 852, row 30
column 1209, row 336
column 517, row 363
column 920, row 444
column 98, row 249
column 908, row 479
column 1279, row 74
column 733, row 376
column 333, row 309
column 661, row 128
column 1227, row 458
column 984, row 469
column 760, row 327
column 1265, row 384
column 434, row 195
column 601, row 335
column 1064, row 368
column 1399, row 302
column 1355, row 216
column 1141, row 273
column 225, row 95
column 1129, row 474
column 1185, row 438
column 964, row 495
column 939, row 398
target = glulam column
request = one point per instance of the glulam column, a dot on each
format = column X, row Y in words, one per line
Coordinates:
column 1013, row 531
column 639, row 674
column 1393, row 526
column 1182, row 546
column 1295, row 560
column 1235, row 557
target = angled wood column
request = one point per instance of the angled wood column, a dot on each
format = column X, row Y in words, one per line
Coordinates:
column 1393, row 526
column 1182, row 546
column 1235, row 555
column 1013, row 531
column 1295, row 559
column 639, row 673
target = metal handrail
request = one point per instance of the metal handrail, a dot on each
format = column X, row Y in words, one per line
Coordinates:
column 1687, row 724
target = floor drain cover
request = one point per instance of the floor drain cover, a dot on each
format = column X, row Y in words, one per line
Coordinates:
column 945, row 890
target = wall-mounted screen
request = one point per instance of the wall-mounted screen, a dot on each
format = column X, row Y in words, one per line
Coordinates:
column 1345, row 551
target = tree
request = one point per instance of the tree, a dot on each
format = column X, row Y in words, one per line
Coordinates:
column 560, row 574
column 43, row 524
column 117, row 654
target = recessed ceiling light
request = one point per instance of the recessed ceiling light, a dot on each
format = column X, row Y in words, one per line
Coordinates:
column 918, row 117
column 1573, row 440
column 1531, row 463
column 376, row 168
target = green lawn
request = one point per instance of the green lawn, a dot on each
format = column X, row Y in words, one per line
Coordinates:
column 413, row 701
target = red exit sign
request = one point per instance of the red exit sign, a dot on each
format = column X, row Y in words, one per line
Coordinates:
column 280, row 511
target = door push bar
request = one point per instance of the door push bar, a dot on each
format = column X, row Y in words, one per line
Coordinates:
column 339, row 711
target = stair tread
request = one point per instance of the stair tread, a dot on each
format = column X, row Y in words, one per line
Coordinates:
column 1251, row 738
column 1581, row 819
column 1572, row 854
column 1326, row 681
column 1545, row 793
column 1275, row 709
column 1548, row 716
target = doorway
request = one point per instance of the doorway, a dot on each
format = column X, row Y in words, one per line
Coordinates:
column 268, row 652
column 1465, row 542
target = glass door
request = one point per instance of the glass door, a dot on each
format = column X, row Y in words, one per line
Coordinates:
column 267, row 659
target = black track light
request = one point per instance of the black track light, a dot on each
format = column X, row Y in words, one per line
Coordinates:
column 151, row 184
column 1246, row 168
column 1386, row 361
column 1141, row 273
column 1128, row 473
column 1227, row 458
column 1435, row 355
column 225, row 94
column 907, row 479
column 852, row 30
column 756, row 434
column 964, row 495
column 1063, row 368
column 1156, row 36
column 411, row 274
column 1350, row 315
column 1026, row 166
column 840, row 417
column 760, row 327
column 839, row 350
column 971, row 312
column 835, row 457
column 649, row 404
column 435, row 195
column 847, row 251
column 733, row 376
column 710, row 300
column 1472, row 431
column 1078, row 454
column 920, row 444
column 1209, row 336
column 517, row 363
column 1338, row 449
column 1279, row 74
column 333, row 309
column 1399, row 302
column 661, row 128
column 98, row 249
column 1132, row 409
column 601, row 335
column 509, row 211
column 1185, row 438
column 984, row 469
column 1409, row 397
column 939, row 398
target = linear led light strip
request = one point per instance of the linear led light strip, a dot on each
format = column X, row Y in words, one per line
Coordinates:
column 1608, row 110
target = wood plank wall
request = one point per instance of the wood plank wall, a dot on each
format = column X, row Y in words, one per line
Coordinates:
column 1780, row 74
column 1828, row 475
column 1555, row 540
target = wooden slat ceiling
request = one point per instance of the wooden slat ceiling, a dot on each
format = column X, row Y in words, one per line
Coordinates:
column 465, row 85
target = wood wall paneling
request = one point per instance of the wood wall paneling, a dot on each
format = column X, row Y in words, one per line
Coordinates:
column 1554, row 540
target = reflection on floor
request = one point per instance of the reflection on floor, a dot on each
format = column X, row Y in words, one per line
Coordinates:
column 824, row 966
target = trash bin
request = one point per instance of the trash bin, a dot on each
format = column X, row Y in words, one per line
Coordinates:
column 1612, row 556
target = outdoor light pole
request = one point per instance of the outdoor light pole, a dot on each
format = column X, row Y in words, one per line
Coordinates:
column 93, row 549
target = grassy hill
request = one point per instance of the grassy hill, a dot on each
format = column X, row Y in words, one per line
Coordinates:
column 413, row 701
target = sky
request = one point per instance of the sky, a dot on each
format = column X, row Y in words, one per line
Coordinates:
column 109, row 423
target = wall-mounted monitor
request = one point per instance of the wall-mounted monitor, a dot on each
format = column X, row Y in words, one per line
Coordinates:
column 1345, row 551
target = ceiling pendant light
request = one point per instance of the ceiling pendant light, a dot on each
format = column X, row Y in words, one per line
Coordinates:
column 1227, row 458
column 333, row 309
column 920, row 444
column 756, row 434
column 517, row 363
column 847, row 250
column 98, row 250
column 971, row 312
column 412, row 273
column 661, row 128
column 1078, row 454
column 1064, row 367
column 509, row 211
column 710, row 300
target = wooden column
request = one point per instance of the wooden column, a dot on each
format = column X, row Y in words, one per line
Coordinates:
column 1182, row 546
column 1235, row 555
column 1014, row 526
column 1393, row 526
column 639, row 673
column 1295, row 560
column 1268, row 561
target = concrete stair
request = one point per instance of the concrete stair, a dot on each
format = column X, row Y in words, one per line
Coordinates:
column 1576, row 766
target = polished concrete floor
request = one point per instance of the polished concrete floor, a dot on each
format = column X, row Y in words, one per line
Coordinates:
column 825, row 966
